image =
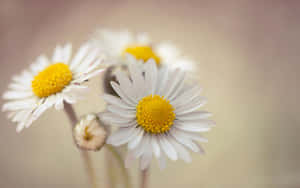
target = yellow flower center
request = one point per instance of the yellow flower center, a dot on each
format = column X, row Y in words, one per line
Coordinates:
column 155, row 114
column 142, row 53
column 51, row 80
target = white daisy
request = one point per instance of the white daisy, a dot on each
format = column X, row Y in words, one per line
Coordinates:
column 121, row 47
column 157, row 114
column 50, row 83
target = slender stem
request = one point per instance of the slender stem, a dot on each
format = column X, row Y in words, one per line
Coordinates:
column 110, row 170
column 119, row 159
column 144, row 178
column 84, row 154
column 89, row 168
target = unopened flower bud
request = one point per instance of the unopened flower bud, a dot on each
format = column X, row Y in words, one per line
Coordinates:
column 89, row 133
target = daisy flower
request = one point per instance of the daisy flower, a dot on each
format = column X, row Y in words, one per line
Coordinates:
column 121, row 47
column 50, row 82
column 157, row 114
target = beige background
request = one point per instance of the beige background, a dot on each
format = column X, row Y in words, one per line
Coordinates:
column 248, row 60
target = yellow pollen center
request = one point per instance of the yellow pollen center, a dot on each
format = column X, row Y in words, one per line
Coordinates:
column 142, row 53
column 51, row 80
column 155, row 114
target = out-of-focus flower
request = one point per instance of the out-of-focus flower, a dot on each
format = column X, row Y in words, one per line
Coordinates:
column 50, row 82
column 89, row 133
column 157, row 114
column 120, row 47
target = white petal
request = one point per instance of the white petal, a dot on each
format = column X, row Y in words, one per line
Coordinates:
column 162, row 79
column 191, row 106
column 17, row 94
column 121, row 93
column 201, row 150
column 19, row 105
column 20, row 127
column 137, row 80
column 178, row 88
column 140, row 149
column 92, row 67
column 186, row 96
column 25, row 122
column 24, row 78
column 135, row 141
column 49, row 102
column 194, row 126
column 21, row 115
column 171, row 82
column 116, row 101
column 155, row 146
column 57, row 55
column 168, row 148
column 162, row 161
column 115, row 119
column 121, row 112
column 19, row 87
column 194, row 136
column 86, row 62
column 40, row 64
column 70, row 99
column 182, row 152
column 82, row 52
column 11, row 114
column 126, row 85
column 193, row 115
column 66, row 53
column 175, row 85
column 59, row 105
column 143, row 38
column 73, row 93
column 87, row 76
column 45, row 104
column 122, row 136
column 168, row 51
column 181, row 138
column 150, row 76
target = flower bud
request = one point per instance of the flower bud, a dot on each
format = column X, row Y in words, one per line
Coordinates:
column 89, row 133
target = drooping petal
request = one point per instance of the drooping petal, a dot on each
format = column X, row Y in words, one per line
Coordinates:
column 117, row 101
column 122, row 136
column 168, row 148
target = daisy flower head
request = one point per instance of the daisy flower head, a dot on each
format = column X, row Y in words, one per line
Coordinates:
column 157, row 114
column 123, row 47
column 50, row 82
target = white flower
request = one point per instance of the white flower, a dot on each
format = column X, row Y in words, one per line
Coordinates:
column 89, row 133
column 121, row 47
column 50, row 82
column 157, row 114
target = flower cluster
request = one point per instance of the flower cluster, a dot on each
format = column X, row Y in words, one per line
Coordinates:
column 155, row 109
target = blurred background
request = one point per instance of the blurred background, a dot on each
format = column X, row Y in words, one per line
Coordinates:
column 248, row 60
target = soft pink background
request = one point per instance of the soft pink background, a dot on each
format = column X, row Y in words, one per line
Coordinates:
column 248, row 59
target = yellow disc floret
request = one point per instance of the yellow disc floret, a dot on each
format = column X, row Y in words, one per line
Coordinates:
column 142, row 53
column 51, row 80
column 155, row 114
